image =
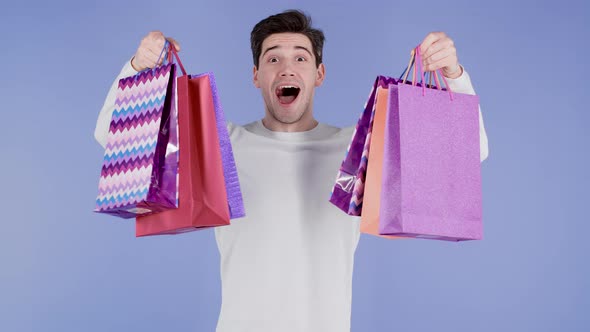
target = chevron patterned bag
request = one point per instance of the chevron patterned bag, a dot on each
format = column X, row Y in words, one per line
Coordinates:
column 347, row 193
column 140, row 166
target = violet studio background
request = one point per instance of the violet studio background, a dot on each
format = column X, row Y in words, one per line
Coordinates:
column 64, row 268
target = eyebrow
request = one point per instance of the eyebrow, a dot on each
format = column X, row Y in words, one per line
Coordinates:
column 279, row 46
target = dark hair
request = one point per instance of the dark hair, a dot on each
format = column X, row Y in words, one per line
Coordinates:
column 288, row 21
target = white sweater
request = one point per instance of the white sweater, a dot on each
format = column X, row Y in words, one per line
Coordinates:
column 287, row 266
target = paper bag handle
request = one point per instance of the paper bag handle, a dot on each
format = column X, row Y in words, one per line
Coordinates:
column 173, row 51
column 418, row 66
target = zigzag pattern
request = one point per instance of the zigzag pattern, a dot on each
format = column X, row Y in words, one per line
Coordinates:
column 150, row 90
column 144, row 77
column 118, row 192
column 131, row 177
column 131, row 144
column 135, row 122
column 132, row 140
column 139, row 102
column 134, row 159
column 124, row 166
column 146, row 107
column 127, row 155
column 116, row 188
column 120, row 201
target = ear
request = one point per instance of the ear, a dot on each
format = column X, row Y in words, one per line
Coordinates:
column 320, row 74
column 255, row 77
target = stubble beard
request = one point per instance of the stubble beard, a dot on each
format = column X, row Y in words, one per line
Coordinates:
column 287, row 119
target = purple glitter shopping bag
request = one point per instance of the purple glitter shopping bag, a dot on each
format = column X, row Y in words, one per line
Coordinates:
column 431, row 180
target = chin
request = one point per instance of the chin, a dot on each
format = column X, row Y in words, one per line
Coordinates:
column 289, row 117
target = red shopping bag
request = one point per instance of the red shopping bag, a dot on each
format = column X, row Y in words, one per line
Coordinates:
column 202, row 193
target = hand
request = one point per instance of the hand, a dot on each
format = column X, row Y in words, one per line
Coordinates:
column 149, row 50
column 438, row 52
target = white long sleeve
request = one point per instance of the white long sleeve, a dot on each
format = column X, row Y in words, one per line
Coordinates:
column 462, row 84
column 104, row 117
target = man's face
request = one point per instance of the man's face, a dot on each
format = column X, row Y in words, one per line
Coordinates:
column 287, row 77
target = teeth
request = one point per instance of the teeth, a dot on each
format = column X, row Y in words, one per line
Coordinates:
column 288, row 86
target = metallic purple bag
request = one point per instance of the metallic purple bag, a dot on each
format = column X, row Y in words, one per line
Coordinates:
column 348, row 190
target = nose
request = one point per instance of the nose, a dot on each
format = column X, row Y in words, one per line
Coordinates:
column 287, row 70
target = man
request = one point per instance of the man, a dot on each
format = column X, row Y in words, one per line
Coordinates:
column 287, row 266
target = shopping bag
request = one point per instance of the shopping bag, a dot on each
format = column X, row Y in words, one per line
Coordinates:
column 372, row 194
column 207, row 189
column 372, row 197
column 431, row 176
column 140, row 166
column 348, row 190
column 230, row 172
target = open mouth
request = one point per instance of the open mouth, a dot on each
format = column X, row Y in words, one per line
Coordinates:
column 287, row 93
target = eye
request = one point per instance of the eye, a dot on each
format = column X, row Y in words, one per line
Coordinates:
column 273, row 59
column 301, row 59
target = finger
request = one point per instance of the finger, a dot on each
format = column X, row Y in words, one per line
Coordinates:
column 158, row 45
column 154, row 40
column 153, row 53
column 448, row 61
column 156, row 37
column 175, row 43
column 442, row 63
column 149, row 58
column 441, row 54
column 439, row 45
column 430, row 39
